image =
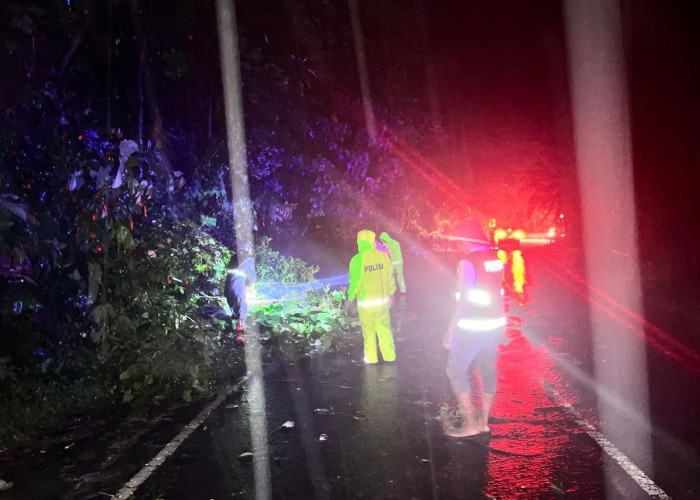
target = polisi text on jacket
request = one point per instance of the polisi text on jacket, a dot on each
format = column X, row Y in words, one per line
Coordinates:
column 374, row 267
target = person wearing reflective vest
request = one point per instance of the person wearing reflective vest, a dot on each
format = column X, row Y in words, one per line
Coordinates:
column 239, row 277
column 476, row 330
column 396, row 259
column 372, row 283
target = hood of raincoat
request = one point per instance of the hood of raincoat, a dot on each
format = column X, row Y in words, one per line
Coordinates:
column 366, row 239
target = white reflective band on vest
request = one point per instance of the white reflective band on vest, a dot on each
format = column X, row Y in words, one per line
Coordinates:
column 481, row 325
column 238, row 272
column 476, row 296
column 493, row 266
column 375, row 302
column 397, row 262
column 479, row 297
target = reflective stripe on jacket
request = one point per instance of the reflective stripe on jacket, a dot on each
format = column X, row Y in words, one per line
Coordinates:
column 395, row 249
column 481, row 306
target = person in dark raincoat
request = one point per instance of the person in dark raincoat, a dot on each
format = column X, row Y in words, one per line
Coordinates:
column 240, row 276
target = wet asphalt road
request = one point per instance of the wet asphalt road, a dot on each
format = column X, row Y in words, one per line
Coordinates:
column 376, row 432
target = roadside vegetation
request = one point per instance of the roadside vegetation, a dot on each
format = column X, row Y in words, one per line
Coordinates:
column 113, row 291
column 114, row 242
column 116, row 223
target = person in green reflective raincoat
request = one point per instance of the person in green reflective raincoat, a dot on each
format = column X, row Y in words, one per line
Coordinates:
column 372, row 283
column 396, row 259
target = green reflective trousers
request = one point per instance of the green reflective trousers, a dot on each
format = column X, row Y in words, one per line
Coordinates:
column 376, row 323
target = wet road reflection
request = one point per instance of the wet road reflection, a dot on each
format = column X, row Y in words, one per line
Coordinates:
column 376, row 431
column 374, row 449
column 530, row 434
column 514, row 276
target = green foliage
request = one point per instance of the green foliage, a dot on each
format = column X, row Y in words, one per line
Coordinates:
column 308, row 318
column 150, row 325
column 97, row 288
column 105, row 269
column 316, row 321
column 271, row 266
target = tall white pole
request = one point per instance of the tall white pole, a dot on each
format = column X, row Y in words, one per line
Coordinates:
column 606, row 182
column 243, row 213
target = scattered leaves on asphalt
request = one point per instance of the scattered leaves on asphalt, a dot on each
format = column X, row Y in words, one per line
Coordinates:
column 324, row 411
column 557, row 489
column 287, row 425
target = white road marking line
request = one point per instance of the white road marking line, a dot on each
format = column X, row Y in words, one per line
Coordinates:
column 632, row 470
column 140, row 477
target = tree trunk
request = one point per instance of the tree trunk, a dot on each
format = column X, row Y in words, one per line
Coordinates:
column 146, row 81
column 139, row 91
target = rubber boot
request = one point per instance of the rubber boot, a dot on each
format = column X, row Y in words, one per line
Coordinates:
column 239, row 331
